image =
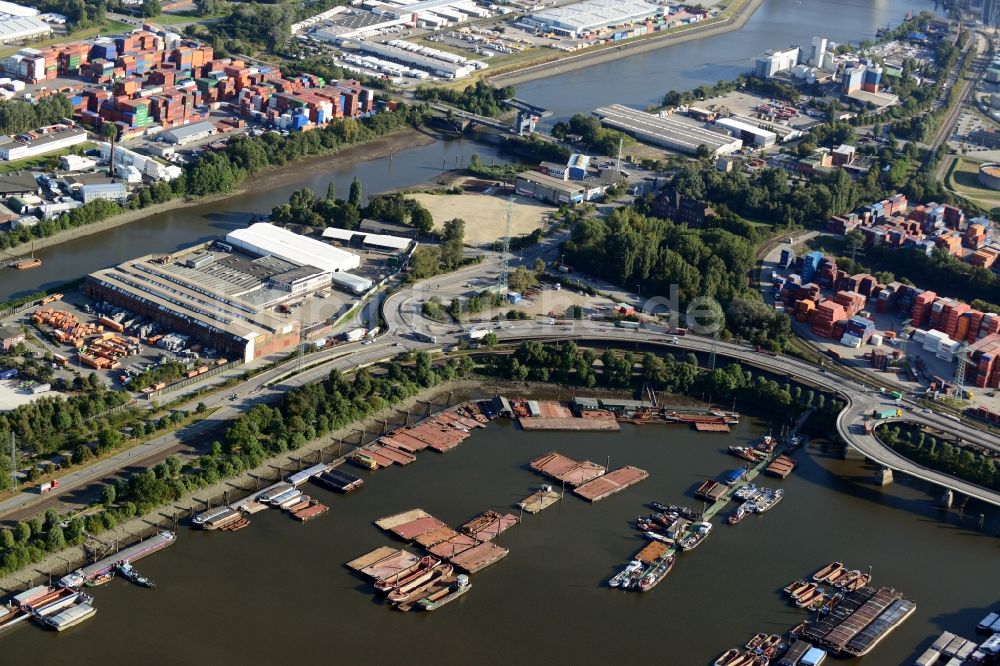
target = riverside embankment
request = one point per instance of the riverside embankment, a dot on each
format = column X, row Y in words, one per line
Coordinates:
column 593, row 56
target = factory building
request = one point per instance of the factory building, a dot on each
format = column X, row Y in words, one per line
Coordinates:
column 16, row 29
column 354, row 284
column 40, row 142
column 668, row 131
column 219, row 298
column 189, row 133
column 116, row 192
column 265, row 239
column 437, row 63
column 147, row 166
column 546, row 188
column 751, row 134
column 771, row 62
column 583, row 17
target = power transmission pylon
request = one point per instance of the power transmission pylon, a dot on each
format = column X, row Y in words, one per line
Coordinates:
column 505, row 248
column 961, row 361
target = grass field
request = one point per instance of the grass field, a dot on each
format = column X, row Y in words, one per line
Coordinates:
column 485, row 215
column 964, row 181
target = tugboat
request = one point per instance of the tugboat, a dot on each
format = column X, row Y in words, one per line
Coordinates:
column 126, row 571
column 695, row 539
column 621, row 579
column 737, row 516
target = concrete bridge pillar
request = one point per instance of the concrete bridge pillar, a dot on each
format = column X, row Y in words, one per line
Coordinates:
column 883, row 477
column 947, row 499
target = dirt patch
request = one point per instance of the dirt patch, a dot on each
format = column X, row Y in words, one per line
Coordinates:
column 485, row 215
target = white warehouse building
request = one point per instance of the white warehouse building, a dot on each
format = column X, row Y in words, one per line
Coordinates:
column 265, row 239
column 583, row 17
column 147, row 166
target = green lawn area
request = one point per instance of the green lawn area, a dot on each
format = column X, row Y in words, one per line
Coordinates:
column 42, row 160
column 108, row 28
column 964, row 180
column 185, row 17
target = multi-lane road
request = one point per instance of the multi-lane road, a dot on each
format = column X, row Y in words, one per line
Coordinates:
column 402, row 311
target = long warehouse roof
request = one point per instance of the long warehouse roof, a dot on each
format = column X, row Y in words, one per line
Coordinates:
column 675, row 131
column 598, row 13
column 265, row 238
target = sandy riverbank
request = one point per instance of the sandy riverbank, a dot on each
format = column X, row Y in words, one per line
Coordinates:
column 266, row 180
column 163, row 517
column 611, row 52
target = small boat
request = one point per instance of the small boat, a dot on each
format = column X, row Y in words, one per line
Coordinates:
column 454, row 591
column 683, row 511
column 726, row 657
column 654, row 575
column 793, row 585
column 821, row 575
column 847, row 578
column 622, row 577
column 24, row 264
column 809, row 597
column 858, row 582
column 746, row 453
column 364, row 460
column 837, row 575
column 407, row 575
column 755, row 642
column 695, row 539
column 737, row 516
column 808, row 588
column 656, row 536
column 746, row 492
column 74, row 579
column 102, row 579
column 130, row 574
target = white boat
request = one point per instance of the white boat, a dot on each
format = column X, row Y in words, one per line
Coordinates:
column 288, row 499
column 70, row 617
column 74, row 579
column 271, row 493
column 276, row 500
column 656, row 536
column 622, row 577
column 206, row 516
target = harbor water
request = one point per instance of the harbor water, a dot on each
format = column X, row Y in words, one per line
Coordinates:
column 278, row 591
column 637, row 80
column 640, row 80
column 173, row 229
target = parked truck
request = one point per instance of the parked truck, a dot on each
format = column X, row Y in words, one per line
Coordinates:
column 355, row 334
column 47, row 486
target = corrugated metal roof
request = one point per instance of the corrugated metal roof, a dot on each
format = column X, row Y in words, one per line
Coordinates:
column 24, row 26
column 265, row 238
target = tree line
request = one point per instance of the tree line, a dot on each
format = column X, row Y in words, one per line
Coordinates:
column 480, row 98
column 17, row 116
column 962, row 462
column 223, row 171
column 593, row 135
